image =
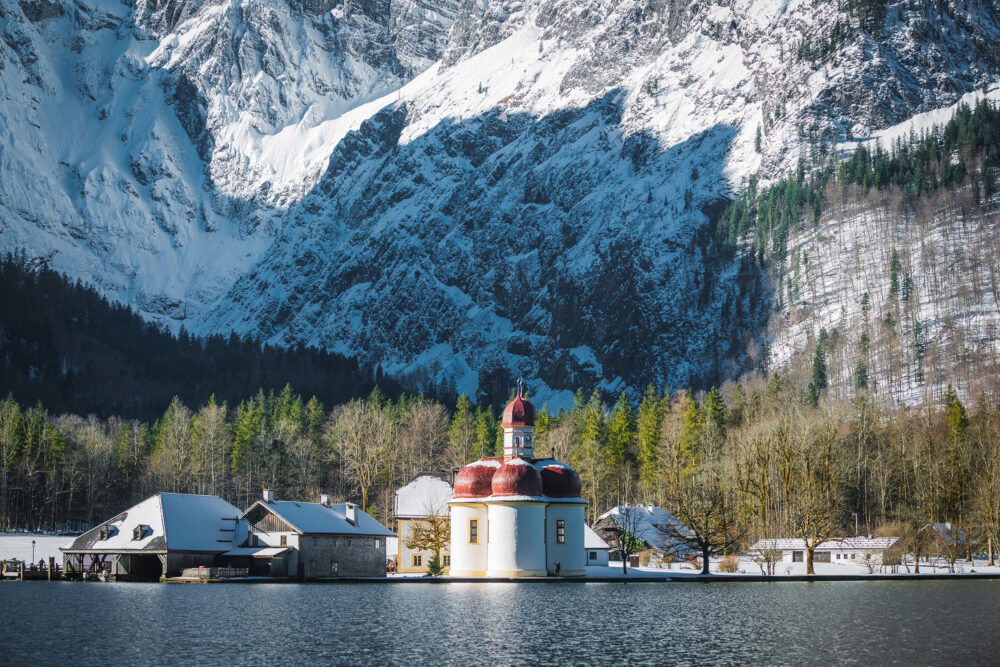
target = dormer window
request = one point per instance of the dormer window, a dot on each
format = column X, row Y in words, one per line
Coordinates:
column 139, row 532
column 104, row 533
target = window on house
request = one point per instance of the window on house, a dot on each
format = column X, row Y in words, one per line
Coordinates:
column 473, row 531
column 378, row 543
column 334, row 567
column 417, row 560
column 796, row 556
column 446, row 560
column 838, row 556
column 852, row 556
column 560, row 531
column 593, row 555
column 284, row 540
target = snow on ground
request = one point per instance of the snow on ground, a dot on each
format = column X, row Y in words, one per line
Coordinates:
column 916, row 125
column 748, row 567
column 18, row 545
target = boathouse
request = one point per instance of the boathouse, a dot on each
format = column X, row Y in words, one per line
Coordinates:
column 287, row 538
column 159, row 537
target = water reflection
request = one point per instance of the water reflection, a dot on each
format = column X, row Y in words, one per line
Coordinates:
column 679, row 623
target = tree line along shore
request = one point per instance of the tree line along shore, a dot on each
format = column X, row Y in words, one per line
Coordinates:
column 749, row 460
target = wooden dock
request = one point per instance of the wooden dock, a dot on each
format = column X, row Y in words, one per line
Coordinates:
column 20, row 571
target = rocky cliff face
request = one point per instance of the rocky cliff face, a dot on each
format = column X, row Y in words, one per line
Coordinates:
column 456, row 191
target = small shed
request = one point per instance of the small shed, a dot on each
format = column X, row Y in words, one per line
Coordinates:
column 159, row 537
column 948, row 533
column 423, row 500
column 596, row 548
column 287, row 538
column 842, row 550
column 654, row 526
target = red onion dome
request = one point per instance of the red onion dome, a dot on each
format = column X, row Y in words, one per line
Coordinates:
column 517, row 477
column 475, row 480
column 519, row 412
column 560, row 481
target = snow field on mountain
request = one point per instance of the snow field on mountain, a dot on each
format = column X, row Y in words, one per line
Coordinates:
column 949, row 251
column 514, row 188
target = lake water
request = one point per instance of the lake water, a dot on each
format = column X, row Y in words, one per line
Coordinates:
column 932, row 622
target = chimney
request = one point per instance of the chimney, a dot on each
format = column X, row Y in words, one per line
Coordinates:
column 324, row 500
column 351, row 510
column 268, row 495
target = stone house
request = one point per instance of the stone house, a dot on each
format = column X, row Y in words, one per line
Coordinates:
column 302, row 540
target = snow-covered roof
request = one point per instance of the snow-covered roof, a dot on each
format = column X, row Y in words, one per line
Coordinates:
column 323, row 519
column 651, row 523
column 175, row 521
column 422, row 497
column 489, row 463
column 524, row 499
column 948, row 531
column 848, row 543
column 592, row 540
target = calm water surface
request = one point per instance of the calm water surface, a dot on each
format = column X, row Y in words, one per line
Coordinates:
column 913, row 623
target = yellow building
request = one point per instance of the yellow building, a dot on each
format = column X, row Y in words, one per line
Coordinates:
column 426, row 496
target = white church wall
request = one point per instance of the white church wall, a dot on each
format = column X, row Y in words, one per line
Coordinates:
column 514, row 547
column 570, row 554
column 468, row 559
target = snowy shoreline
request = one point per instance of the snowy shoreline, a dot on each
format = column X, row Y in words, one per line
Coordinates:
column 19, row 546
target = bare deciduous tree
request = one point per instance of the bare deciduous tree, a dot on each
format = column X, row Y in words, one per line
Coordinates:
column 364, row 435
column 704, row 504
column 621, row 528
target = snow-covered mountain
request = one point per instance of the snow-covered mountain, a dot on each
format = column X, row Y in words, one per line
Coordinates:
column 463, row 191
column 937, row 322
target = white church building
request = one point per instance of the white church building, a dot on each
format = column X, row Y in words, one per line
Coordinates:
column 517, row 516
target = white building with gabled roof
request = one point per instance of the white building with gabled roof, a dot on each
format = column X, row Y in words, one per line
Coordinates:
column 423, row 499
column 843, row 550
column 598, row 551
column 287, row 538
column 159, row 537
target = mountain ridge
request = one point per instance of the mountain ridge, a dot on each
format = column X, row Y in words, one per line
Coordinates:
column 271, row 154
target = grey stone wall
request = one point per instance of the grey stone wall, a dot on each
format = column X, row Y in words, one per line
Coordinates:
column 324, row 556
